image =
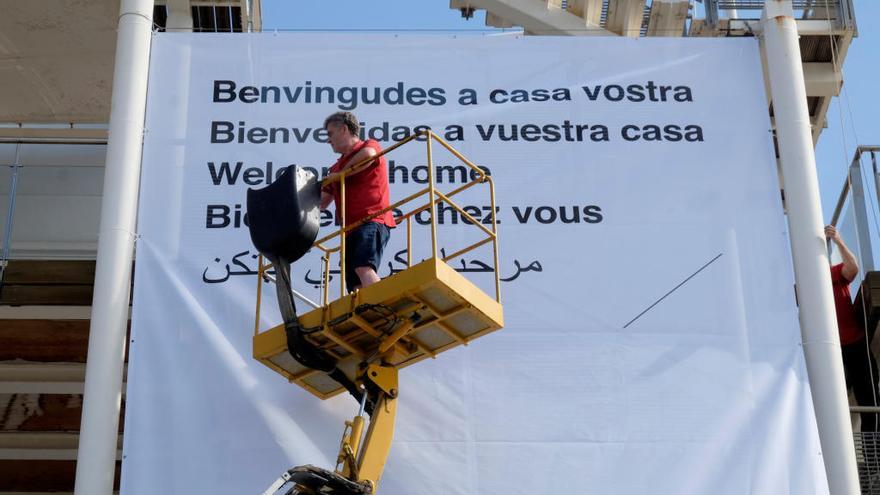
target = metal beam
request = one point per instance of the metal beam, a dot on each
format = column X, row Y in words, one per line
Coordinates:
column 536, row 18
column 860, row 208
column 589, row 10
column 741, row 27
column 625, row 17
column 844, row 193
column 179, row 16
column 257, row 15
column 668, row 17
column 247, row 8
column 52, row 135
column 819, row 121
column 495, row 21
column 711, row 9
column 821, row 79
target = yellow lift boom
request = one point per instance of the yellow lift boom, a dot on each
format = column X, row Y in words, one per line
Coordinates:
column 358, row 342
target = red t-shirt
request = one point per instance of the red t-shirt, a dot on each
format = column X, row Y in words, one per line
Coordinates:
column 850, row 330
column 365, row 192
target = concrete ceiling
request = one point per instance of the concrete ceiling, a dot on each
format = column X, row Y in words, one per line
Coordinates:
column 56, row 60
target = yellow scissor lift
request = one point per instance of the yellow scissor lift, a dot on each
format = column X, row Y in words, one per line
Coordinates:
column 372, row 332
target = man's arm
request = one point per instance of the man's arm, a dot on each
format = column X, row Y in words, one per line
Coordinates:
column 850, row 263
column 361, row 155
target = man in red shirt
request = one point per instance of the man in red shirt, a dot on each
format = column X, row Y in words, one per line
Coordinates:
column 859, row 364
column 366, row 194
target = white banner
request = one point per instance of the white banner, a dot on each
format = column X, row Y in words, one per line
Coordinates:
column 651, row 341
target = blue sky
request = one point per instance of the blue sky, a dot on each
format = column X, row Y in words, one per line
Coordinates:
column 853, row 119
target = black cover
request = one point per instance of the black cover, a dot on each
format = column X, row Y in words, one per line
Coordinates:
column 283, row 221
column 314, row 480
column 283, row 217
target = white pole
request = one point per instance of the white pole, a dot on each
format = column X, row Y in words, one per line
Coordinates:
column 816, row 305
column 96, row 455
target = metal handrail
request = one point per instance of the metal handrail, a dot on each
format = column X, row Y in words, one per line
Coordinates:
column 859, row 204
column 864, row 409
column 435, row 197
column 856, row 161
column 759, row 4
column 839, row 11
column 838, row 211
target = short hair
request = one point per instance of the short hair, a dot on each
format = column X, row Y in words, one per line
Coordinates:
column 345, row 118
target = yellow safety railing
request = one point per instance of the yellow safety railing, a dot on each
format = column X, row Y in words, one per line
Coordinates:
column 434, row 198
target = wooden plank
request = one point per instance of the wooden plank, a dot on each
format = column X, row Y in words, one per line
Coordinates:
column 42, row 475
column 44, row 340
column 43, row 413
column 58, row 446
column 48, row 282
column 57, row 295
column 22, row 377
column 45, row 312
column 50, row 272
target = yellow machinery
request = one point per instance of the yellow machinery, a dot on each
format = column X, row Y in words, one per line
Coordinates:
column 358, row 342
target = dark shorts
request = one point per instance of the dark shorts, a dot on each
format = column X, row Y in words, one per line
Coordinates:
column 363, row 247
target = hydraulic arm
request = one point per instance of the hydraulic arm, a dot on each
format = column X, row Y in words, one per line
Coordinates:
column 283, row 226
column 358, row 342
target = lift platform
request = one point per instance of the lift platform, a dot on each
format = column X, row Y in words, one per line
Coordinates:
column 434, row 308
column 358, row 341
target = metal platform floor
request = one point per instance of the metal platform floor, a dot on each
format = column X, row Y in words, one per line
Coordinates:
column 416, row 314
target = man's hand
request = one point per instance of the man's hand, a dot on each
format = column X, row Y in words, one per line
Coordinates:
column 832, row 233
column 327, row 198
column 850, row 263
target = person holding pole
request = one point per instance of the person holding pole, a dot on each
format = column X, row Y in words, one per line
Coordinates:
column 366, row 194
column 859, row 365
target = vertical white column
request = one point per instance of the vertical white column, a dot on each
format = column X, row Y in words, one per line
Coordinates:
column 816, row 305
column 96, row 456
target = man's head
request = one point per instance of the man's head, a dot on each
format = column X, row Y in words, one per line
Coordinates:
column 342, row 131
